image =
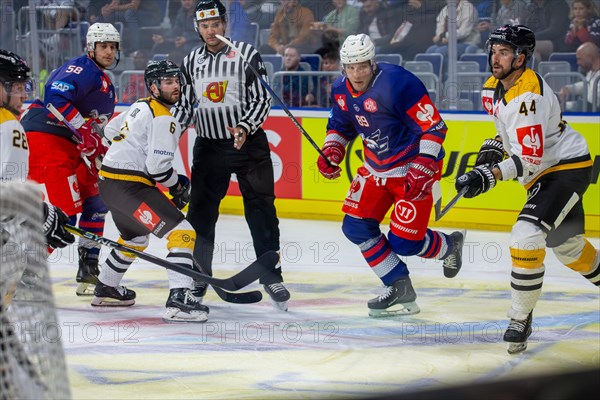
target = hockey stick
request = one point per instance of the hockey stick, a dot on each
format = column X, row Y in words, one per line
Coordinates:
column 283, row 106
column 58, row 115
column 254, row 271
column 437, row 199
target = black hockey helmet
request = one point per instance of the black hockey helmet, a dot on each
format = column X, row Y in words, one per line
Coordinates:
column 207, row 9
column 13, row 68
column 157, row 70
column 519, row 37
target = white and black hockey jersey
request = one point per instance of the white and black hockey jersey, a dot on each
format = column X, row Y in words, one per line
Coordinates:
column 13, row 148
column 144, row 141
column 529, row 120
column 225, row 91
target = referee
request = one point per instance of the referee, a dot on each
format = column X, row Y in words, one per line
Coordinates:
column 231, row 107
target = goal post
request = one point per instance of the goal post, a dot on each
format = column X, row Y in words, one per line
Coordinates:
column 32, row 361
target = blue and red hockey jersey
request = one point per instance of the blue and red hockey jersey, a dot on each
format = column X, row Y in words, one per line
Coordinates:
column 78, row 89
column 394, row 117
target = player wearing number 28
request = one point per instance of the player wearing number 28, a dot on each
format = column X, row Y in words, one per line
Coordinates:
column 549, row 158
column 402, row 134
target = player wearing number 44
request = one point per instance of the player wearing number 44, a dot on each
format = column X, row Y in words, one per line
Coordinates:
column 85, row 96
column 550, row 159
column 402, row 133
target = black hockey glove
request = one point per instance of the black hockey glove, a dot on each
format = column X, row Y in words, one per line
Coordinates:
column 479, row 180
column 181, row 192
column 54, row 227
column 490, row 153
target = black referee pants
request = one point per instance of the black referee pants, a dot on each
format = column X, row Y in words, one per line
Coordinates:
column 213, row 163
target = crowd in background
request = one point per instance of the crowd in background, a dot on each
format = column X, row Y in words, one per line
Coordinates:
column 291, row 28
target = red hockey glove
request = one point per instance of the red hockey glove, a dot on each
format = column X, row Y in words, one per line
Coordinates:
column 335, row 152
column 92, row 146
column 420, row 177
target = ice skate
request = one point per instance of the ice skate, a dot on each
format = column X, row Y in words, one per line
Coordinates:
column 87, row 274
column 279, row 295
column 398, row 299
column 199, row 290
column 517, row 333
column 182, row 306
column 453, row 260
column 108, row 296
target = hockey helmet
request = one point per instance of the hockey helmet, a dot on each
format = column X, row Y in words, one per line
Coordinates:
column 207, row 9
column 519, row 37
column 102, row 32
column 157, row 70
column 356, row 49
column 13, row 68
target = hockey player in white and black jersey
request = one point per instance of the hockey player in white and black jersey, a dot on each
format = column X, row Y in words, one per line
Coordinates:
column 232, row 106
column 144, row 142
column 549, row 158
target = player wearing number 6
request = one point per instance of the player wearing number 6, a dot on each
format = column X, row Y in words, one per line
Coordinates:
column 144, row 141
column 402, row 134
column 550, row 159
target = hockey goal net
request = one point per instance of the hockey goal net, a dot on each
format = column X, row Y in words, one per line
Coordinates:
column 32, row 362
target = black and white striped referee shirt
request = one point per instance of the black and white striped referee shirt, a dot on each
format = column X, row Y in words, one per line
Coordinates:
column 225, row 91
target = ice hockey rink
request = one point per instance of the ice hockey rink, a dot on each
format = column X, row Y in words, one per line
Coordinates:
column 326, row 346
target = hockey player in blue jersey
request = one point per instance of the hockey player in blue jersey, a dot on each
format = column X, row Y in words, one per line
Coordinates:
column 402, row 134
column 85, row 95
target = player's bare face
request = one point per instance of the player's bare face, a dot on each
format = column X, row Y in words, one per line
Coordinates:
column 105, row 53
column 359, row 75
column 502, row 60
column 171, row 89
column 208, row 29
column 14, row 99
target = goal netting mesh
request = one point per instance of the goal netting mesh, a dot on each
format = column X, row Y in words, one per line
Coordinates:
column 32, row 362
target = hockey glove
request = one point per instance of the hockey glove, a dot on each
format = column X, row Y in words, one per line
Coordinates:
column 490, row 153
column 92, row 146
column 420, row 177
column 335, row 152
column 54, row 227
column 479, row 180
column 180, row 192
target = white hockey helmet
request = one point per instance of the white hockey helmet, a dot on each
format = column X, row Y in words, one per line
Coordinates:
column 356, row 49
column 102, row 32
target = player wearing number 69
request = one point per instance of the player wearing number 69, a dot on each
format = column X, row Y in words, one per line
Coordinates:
column 402, row 134
column 549, row 158
column 144, row 141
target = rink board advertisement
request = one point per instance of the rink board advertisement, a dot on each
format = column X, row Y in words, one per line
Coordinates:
column 303, row 193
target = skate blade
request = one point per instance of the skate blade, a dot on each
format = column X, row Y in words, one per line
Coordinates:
column 85, row 289
column 280, row 305
column 396, row 310
column 108, row 302
column 516, row 348
column 175, row 315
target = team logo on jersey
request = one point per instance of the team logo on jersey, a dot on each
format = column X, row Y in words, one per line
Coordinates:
column 370, row 105
column 104, row 88
column 424, row 113
column 215, row 91
column 74, row 188
column 405, row 211
column 340, row 99
column 532, row 142
column 488, row 104
column 146, row 216
column 61, row 86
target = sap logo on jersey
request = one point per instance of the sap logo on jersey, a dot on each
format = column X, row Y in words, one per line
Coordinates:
column 61, row 86
column 146, row 216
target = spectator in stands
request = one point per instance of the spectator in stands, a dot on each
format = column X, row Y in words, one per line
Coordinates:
column 584, row 27
column 135, row 87
column 291, row 27
column 238, row 22
column 549, row 21
column 133, row 14
column 378, row 21
column 182, row 34
column 467, row 35
column 330, row 63
column 343, row 20
column 293, row 89
column 416, row 27
column 330, row 41
column 512, row 12
column 588, row 59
